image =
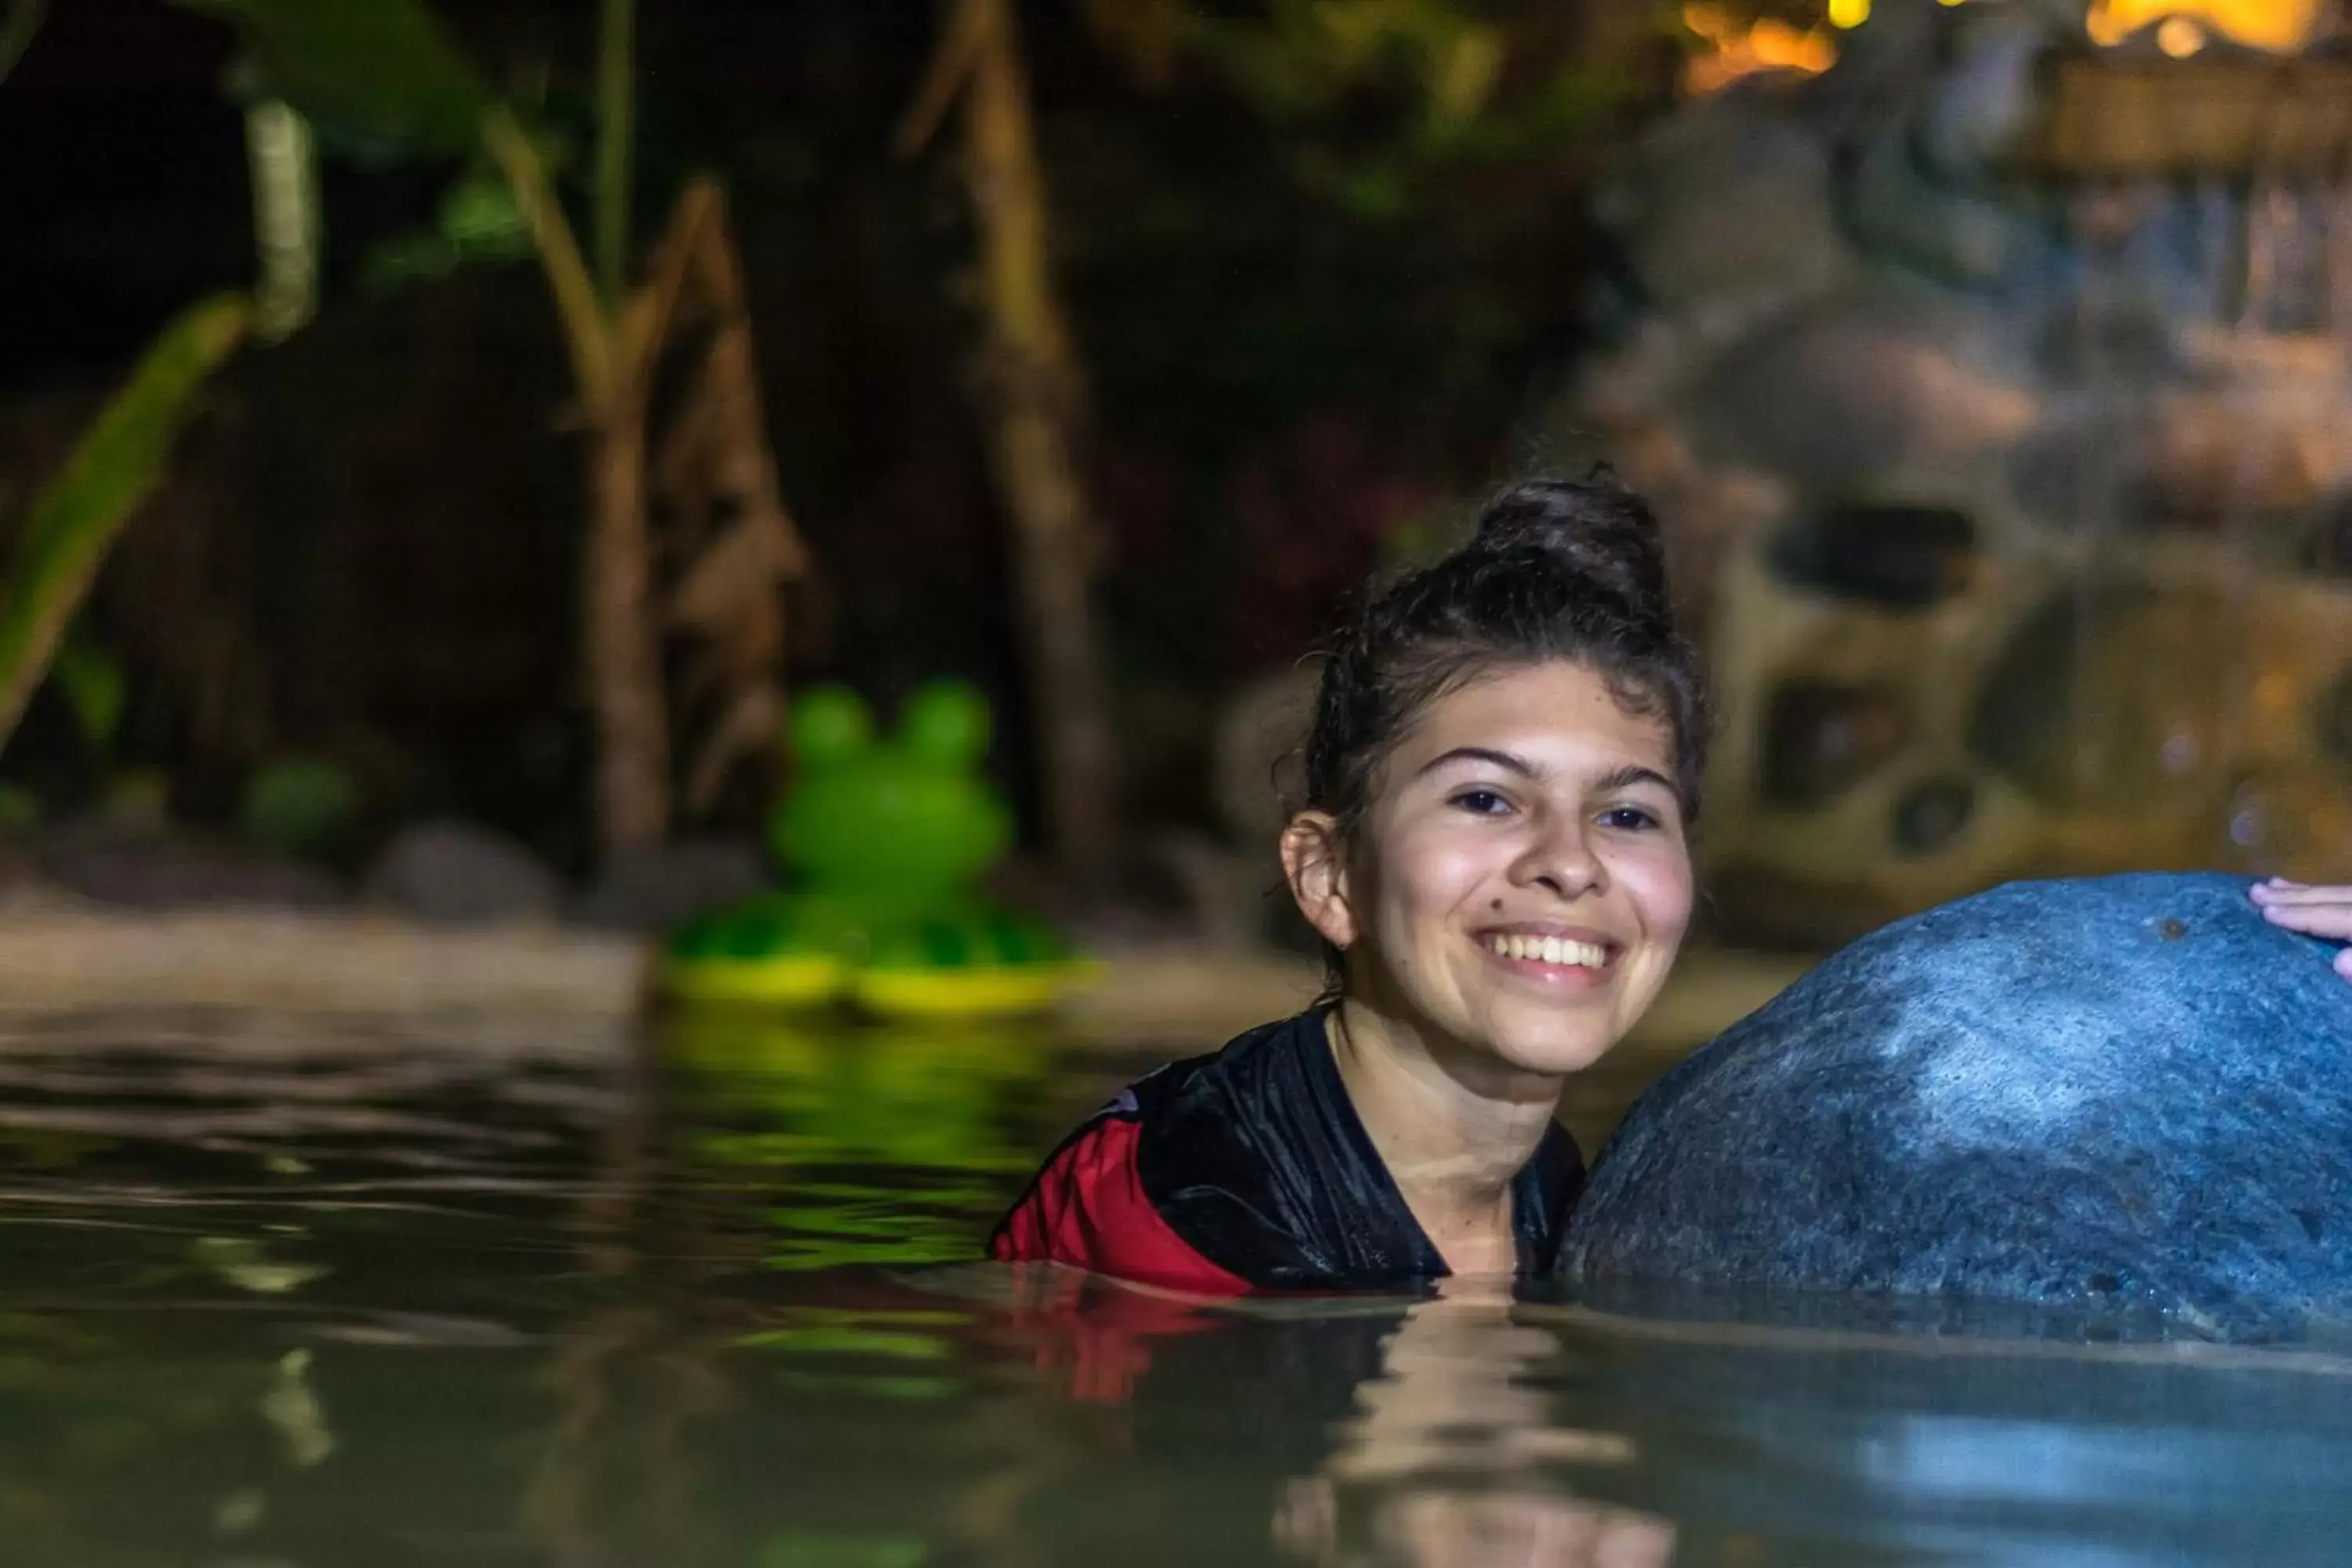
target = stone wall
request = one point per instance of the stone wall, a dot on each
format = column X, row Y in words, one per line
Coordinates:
column 2015, row 500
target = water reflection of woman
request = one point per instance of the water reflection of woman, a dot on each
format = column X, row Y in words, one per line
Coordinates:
column 1500, row 784
column 1447, row 1460
column 1422, row 1430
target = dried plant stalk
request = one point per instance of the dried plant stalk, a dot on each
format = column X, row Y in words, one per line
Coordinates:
column 1033, row 399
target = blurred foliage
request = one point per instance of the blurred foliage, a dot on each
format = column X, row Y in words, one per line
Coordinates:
column 95, row 687
column 387, row 70
column 1370, row 97
column 817, row 1549
column 76, row 516
column 1291, row 384
column 20, row 809
column 1277, row 217
column 300, row 806
column 138, row 796
column 386, row 73
column 21, row 21
column 383, row 69
column 477, row 225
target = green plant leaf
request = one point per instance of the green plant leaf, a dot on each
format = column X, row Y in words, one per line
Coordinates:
column 77, row 514
column 17, row 25
column 381, row 67
column 95, row 687
column 820, row 1549
column 299, row 806
column 20, row 810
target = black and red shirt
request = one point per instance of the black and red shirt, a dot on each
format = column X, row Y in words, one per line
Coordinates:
column 1248, row 1169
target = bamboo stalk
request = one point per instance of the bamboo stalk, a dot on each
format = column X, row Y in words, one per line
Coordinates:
column 943, row 78
column 1032, row 399
column 624, row 676
column 622, row 651
column 615, row 145
column 586, row 330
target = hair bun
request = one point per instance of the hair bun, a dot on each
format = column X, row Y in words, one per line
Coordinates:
column 1594, row 527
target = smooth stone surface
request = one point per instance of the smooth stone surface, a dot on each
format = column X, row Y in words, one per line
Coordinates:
column 460, row 874
column 652, row 890
column 2129, row 1092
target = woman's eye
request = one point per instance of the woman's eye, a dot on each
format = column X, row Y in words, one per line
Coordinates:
column 1635, row 819
column 1483, row 802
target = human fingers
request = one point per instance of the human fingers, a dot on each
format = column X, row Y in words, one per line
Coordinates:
column 2332, row 921
column 2279, row 891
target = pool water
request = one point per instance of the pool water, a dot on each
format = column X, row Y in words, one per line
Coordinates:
column 279, row 1292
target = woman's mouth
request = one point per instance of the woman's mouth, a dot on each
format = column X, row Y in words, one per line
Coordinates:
column 1556, row 953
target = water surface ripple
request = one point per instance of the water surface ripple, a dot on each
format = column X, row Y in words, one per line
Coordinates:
column 283, row 1291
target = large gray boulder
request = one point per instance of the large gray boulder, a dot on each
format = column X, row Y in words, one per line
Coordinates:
column 2128, row 1092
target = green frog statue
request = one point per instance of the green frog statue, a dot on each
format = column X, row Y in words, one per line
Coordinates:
column 885, row 838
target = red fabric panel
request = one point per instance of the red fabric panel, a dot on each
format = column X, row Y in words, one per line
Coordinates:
column 1088, row 1209
column 1097, row 1332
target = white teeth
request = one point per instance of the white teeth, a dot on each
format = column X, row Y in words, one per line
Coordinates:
column 1549, row 950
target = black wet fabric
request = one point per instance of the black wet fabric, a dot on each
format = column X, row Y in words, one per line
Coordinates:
column 1256, row 1159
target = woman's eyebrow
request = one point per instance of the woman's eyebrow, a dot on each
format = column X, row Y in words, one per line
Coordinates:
column 1631, row 774
column 1503, row 760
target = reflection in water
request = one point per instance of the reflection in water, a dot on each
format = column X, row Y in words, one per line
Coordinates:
column 1416, row 1432
column 755, row 1145
column 896, row 1137
column 1444, row 1462
column 440, row 1303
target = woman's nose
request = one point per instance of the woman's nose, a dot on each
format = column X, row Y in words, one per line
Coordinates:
column 1561, row 860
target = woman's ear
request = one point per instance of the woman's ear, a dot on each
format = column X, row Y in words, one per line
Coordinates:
column 1318, row 874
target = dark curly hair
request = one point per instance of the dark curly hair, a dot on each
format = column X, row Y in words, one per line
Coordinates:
column 1559, row 569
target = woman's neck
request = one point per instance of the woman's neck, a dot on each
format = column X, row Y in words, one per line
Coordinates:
column 1453, row 1130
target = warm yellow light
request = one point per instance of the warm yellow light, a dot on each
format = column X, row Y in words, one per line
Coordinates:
column 2278, row 25
column 1709, row 22
column 1777, row 44
column 1849, row 13
column 1765, row 45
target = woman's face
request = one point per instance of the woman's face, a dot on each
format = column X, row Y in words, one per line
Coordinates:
column 1521, row 880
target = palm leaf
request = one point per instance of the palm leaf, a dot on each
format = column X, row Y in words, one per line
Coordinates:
column 117, row 464
column 381, row 67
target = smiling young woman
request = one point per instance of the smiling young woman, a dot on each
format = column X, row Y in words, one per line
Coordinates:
column 1500, row 783
column 1507, row 908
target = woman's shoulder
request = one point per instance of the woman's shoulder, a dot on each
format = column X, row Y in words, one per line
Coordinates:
column 1269, row 1059
column 1218, row 1097
column 1167, row 1181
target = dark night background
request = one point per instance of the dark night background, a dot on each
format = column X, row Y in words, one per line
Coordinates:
column 367, row 547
